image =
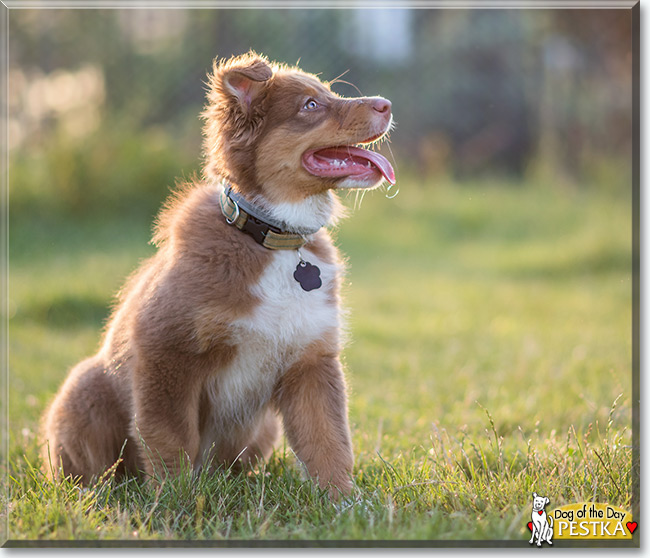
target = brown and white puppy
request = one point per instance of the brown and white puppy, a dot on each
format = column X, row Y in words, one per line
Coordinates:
column 213, row 338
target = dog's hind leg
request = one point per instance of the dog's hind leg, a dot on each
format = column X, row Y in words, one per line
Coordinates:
column 85, row 427
column 549, row 533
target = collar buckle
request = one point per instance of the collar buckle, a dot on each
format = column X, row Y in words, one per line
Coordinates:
column 257, row 229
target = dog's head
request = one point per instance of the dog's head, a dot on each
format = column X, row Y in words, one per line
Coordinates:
column 280, row 132
column 539, row 502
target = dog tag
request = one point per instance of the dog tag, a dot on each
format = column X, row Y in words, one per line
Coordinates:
column 308, row 276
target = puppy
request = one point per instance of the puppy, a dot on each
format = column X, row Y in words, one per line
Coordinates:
column 235, row 323
column 541, row 526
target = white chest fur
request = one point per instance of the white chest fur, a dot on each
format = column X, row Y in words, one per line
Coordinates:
column 288, row 316
column 286, row 320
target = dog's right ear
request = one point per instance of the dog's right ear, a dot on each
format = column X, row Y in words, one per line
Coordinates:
column 234, row 113
column 534, row 494
column 240, row 80
column 247, row 84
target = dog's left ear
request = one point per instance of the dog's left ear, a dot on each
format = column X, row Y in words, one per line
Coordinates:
column 547, row 500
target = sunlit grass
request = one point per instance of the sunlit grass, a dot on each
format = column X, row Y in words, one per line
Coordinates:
column 489, row 357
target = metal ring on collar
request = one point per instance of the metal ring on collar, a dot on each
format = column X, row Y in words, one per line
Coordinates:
column 231, row 221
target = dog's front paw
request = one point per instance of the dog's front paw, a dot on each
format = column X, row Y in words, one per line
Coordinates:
column 340, row 489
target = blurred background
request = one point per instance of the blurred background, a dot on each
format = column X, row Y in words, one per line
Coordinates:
column 500, row 276
column 103, row 104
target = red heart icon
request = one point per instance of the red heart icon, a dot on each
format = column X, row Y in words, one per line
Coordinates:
column 632, row 525
column 530, row 525
column 540, row 512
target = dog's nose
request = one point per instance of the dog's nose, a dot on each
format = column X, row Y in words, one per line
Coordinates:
column 381, row 105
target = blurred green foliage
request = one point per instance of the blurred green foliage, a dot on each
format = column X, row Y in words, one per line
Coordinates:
column 115, row 169
column 104, row 104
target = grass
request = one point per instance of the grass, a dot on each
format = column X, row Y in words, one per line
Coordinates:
column 489, row 357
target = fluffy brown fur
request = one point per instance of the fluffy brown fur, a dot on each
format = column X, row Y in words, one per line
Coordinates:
column 199, row 360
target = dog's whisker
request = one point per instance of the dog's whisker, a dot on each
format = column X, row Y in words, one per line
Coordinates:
column 392, row 155
column 363, row 193
column 346, row 83
column 337, row 78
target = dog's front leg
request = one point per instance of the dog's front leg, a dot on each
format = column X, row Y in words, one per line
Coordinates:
column 532, row 536
column 166, row 418
column 311, row 398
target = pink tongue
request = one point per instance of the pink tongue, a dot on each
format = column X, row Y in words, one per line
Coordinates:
column 356, row 154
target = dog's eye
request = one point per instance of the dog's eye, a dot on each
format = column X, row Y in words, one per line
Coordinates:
column 311, row 104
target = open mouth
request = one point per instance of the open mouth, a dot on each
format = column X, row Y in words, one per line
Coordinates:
column 348, row 161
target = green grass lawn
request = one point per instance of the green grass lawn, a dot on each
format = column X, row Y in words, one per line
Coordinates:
column 489, row 357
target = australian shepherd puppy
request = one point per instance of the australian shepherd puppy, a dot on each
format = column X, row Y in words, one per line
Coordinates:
column 233, row 327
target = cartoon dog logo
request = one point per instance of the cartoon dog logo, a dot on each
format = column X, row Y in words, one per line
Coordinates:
column 540, row 525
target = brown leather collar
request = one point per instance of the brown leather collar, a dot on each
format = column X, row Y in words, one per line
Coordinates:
column 241, row 214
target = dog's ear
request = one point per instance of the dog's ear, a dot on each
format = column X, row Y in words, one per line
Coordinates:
column 547, row 500
column 241, row 80
column 247, row 84
column 234, row 113
column 534, row 494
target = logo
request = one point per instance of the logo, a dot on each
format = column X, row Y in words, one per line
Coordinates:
column 539, row 524
column 580, row 521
